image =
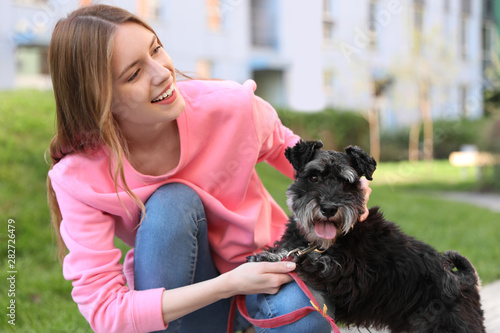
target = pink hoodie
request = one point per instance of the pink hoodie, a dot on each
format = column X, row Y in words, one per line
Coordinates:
column 224, row 131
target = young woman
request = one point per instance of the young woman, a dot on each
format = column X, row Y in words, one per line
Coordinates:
column 168, row 168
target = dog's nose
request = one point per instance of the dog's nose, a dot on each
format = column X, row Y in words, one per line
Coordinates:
column 329, row 212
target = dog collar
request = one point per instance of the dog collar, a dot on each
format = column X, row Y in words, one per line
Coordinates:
column 300, row 252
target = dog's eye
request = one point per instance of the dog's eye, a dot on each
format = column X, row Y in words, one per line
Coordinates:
column 313, row 179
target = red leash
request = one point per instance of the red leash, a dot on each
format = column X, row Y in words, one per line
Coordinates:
column 239, row 301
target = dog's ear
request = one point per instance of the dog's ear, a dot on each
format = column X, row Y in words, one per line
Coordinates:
column 302, row 153
column 363, row 163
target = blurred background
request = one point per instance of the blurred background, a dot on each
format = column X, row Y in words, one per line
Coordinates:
column 414, row 82
column 400, row 64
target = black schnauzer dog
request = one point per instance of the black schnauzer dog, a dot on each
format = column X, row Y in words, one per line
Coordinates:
column 371, row 273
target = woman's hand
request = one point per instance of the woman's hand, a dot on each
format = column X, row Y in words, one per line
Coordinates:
column 365, row 186
column 249, row 278
column 259, row 277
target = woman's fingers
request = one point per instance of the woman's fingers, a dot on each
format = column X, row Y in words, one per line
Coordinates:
column 365, row 186
column 262, row 277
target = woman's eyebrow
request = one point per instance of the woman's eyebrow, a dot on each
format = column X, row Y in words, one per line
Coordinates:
column 137, row 61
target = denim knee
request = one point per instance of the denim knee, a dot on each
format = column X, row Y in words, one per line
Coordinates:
column 174, row 229
column 173, row 203
column 289, row 298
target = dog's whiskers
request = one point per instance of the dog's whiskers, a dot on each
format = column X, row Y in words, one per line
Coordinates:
column 348, row 217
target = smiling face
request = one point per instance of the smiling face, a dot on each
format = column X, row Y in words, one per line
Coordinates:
column 143, row 74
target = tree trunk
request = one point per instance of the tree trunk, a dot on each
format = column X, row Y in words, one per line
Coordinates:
column 374, row 122
column 413, row 149
column 425, row 107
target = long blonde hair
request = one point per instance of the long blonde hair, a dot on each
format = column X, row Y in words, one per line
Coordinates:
column 80, row 67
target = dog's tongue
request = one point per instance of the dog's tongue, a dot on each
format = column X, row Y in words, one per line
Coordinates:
column 325, row 229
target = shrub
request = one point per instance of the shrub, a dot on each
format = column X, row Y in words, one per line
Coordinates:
column 337, row 129
column 491, row 142
column 394, row 144
column 449, row 136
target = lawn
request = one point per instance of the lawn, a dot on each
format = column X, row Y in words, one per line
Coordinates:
column 42, row 297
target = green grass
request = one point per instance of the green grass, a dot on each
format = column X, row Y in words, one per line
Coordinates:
column 43, row 297
column 43, row 301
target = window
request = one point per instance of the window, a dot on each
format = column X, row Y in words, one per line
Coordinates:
column 489, row 9
column 85, row 3
column 466, row 7
column 204, row 69
column 448, row 31
column 214, row 18
column 488, row 33
column 447, row 6
column 32, row 68
column 32, row 60
column 464, row 28
column 487, row 39
column 149, row 9
column 263, row 20
column 328, row 81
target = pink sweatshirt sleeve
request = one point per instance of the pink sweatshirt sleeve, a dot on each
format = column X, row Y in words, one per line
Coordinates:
column 99, row 285
column 273, row 136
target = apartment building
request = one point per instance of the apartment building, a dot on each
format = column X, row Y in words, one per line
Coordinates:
column 392, row 56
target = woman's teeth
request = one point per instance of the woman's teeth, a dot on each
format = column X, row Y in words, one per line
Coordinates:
column 166, row 94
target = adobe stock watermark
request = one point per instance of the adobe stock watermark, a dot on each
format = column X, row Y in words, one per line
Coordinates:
column 362, row 39
column 39, row 22
column 11, row 272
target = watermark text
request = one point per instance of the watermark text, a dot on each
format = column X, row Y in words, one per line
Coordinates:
column 11, row 271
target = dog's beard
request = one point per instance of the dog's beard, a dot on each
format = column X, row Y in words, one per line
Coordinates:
column 309, row 214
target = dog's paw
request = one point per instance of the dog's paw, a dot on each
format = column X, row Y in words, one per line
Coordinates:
column 254, row 258
column 258, row 257
column 264, row 256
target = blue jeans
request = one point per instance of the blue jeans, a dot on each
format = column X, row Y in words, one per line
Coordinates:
column 172, row 250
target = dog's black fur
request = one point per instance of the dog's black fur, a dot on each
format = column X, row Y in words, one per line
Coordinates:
column 372, row 273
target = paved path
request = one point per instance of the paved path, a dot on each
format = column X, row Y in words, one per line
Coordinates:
column 490, row 294
column 490, row 297
column 490, row 201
